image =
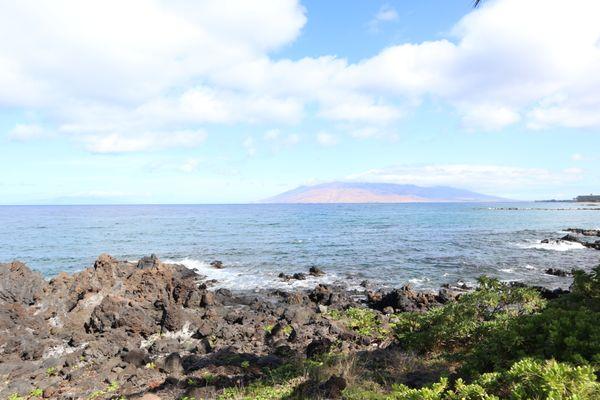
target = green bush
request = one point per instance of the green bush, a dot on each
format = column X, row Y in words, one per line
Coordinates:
column 466, row 321
column 526, row 379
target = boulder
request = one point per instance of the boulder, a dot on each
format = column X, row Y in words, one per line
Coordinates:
column 19, row 284
column 315, row 271
column 318, row 347
column 333, row 387
column 557, row 272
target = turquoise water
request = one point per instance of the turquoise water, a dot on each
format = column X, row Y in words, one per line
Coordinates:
column 388, row 244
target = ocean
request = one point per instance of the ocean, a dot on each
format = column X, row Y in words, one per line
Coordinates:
column 387, row 244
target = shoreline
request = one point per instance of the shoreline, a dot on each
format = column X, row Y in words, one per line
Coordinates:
column 123, row 322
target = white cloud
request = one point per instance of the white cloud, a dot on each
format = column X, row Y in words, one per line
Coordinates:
column 386, row 13
column 24, row 132
column 487, row 178
column 488, row 117
column 577, row 157
column 190, row 165
column 147, row 141
column 108, row 72
column 327, row 139
column 250, row 146
column 276, row 140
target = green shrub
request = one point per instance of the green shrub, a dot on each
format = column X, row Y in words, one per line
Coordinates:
column 363, row 321
column 526, row 379
column 464, row 322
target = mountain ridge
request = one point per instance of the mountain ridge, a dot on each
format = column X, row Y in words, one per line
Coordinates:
column 368, row 192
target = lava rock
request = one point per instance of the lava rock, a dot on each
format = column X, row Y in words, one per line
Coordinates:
column 315, row 271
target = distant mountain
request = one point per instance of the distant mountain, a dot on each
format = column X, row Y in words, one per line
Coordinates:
column 349, row 192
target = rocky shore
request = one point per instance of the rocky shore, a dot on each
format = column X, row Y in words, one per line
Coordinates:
column 156, row 330
column 580, row 236
column 153, row 330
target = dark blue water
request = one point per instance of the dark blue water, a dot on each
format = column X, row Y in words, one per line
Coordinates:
column 391, row 244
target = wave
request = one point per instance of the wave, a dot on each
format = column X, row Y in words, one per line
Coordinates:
column 247, row 278
column 557, row 245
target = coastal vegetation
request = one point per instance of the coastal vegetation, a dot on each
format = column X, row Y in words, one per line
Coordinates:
column 500, row 341
column 97, row 338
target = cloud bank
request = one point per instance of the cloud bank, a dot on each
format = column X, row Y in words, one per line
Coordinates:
column 148, row 74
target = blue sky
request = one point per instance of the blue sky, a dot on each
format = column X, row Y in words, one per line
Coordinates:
column 207, row 102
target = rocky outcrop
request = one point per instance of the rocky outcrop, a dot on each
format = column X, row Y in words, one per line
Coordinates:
column 584, row 232
column 18, row 284
column 406, row 299
column 557, row 272
column 148, row 326
column 145, row 328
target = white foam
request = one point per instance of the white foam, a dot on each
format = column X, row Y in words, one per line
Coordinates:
column 557, row 245
column 245, row 278
column 507, row 270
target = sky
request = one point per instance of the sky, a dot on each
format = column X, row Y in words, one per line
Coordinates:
column 150, row 101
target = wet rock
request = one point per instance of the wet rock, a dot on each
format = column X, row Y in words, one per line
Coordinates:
column 557, row 272
column 216, row 264
column 570, row 238
column 284, row 277
column 315, row 271
column 595, row 245
column 299, row 276
column 584, row 232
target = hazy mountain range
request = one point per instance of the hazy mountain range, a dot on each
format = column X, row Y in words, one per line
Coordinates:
column 351, row 192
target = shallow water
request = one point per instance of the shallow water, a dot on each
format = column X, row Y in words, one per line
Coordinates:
column 388, row 244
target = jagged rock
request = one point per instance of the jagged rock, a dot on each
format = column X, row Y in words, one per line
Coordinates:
column 570, row 238
column 168, row 320
column 403, row 299
column 173, row 365
column 148, row 262
column 19, row 284
column 299, row 276
column 115, row 312
column 584, row 232
column 216, row 264
column 446, row 295
column 315, row 271
column 138, row 358
column 321, row 294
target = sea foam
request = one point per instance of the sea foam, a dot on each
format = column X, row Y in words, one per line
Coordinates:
column 558, row 245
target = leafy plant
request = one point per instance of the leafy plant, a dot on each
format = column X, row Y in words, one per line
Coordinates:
column 469, row 319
